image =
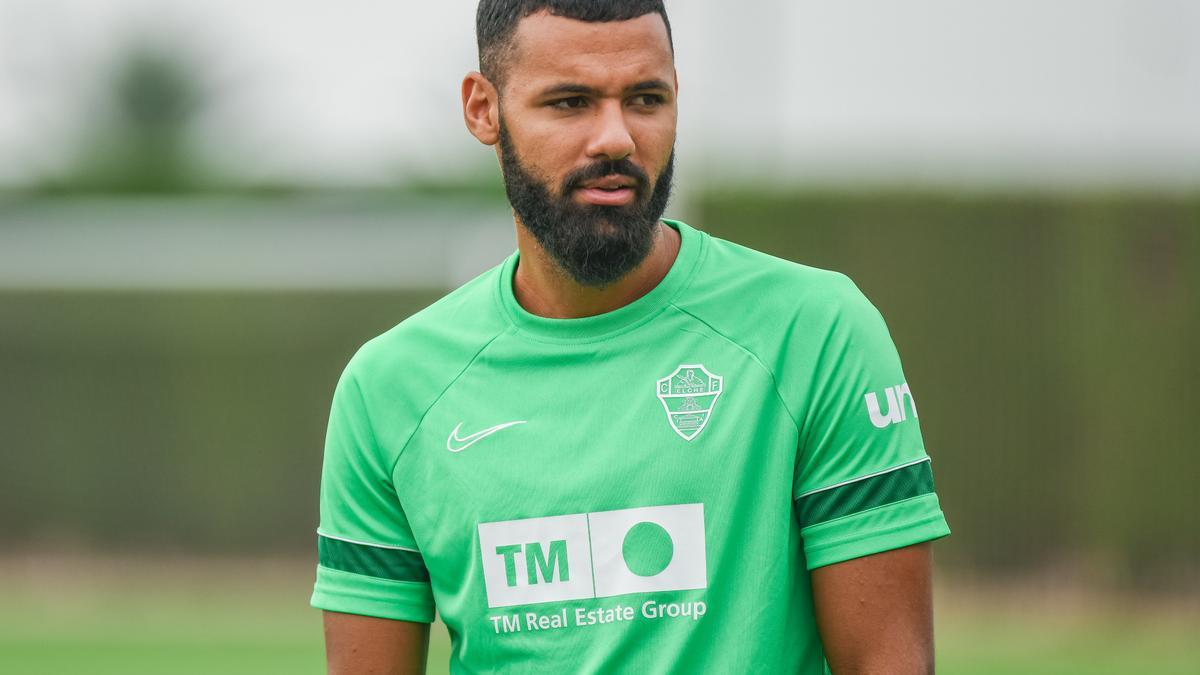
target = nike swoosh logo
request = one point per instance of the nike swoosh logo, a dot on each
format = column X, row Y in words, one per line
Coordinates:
column 468, row 441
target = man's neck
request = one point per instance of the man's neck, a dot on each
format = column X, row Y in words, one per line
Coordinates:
column 544, row 289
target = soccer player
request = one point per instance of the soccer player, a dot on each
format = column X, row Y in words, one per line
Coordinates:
column 630, row 447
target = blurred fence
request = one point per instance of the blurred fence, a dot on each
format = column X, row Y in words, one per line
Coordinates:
column 1051, row 343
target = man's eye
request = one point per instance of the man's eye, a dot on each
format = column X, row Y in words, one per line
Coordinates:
column 648, row 100
column 573, row 102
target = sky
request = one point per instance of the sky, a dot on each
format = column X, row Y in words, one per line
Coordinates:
column 365, row 92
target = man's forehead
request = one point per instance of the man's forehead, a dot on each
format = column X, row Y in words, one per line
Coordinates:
column 549, row 47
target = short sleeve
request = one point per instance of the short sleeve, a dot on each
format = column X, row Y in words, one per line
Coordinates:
column 863, row 482
column 369, row 562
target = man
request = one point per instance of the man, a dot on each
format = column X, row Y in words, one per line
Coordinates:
column 631, row 447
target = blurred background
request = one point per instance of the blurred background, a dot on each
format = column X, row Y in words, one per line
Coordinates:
column 205, row 207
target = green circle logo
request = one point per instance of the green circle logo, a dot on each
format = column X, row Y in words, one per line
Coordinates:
column 648, row 549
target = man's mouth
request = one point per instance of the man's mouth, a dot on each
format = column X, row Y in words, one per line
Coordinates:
column 613, row 190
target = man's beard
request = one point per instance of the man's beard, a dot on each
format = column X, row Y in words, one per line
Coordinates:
column 594, row 244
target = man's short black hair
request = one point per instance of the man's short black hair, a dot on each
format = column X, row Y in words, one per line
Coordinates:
column 496, row 23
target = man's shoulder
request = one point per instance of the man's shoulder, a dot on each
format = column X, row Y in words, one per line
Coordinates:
column 793, row 319
column 438, row 341
column 742, row 287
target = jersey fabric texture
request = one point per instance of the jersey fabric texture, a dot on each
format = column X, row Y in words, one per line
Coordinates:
column 643, row 491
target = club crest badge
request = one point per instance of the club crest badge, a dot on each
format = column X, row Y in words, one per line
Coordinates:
column 688, row 395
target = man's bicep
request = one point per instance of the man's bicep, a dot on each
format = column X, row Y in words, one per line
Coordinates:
column 875, row 613
column 364, row 644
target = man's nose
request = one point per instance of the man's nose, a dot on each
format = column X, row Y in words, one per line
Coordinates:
column 611, row 138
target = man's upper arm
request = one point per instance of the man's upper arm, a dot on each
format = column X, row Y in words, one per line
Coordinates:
column 363, row 644
column 864, row 499
column 863, row 482
column 875, row 613
column 369, row 561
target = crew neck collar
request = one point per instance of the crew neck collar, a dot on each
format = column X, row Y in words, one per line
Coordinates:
column 691, row 242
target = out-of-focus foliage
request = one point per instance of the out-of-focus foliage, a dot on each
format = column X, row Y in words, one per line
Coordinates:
column 136, row 131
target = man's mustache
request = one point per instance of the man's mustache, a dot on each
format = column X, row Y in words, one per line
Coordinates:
column 603, row 168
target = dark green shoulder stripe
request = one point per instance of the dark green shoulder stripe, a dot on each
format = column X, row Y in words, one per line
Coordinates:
column 373, row 561
column 913, row 480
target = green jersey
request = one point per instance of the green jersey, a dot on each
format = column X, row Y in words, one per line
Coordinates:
column 645, row 490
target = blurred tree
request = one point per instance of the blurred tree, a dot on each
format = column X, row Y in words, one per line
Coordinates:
column 136, row 137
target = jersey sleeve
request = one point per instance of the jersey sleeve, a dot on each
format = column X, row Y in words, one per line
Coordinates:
column 369, row 562
column 863, row 482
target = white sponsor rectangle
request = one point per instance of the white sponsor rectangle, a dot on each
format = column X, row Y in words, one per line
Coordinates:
column 685, row 568
column 594, row 555
column 536, row 560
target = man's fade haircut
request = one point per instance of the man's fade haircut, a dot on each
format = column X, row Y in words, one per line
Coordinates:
column 496, row 24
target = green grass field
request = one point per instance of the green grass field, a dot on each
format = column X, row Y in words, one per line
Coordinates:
column 135, row 617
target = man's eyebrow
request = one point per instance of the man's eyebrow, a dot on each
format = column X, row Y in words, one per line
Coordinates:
column 650, row 85
column 567, row 89
column 584, row 90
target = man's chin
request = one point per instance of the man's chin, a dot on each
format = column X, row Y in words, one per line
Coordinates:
column 610, row 226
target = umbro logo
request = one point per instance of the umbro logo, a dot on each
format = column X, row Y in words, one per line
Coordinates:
column 456, row 443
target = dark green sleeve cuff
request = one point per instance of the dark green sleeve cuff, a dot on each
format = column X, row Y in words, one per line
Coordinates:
column 340, row 591
column 389, row 582
column 896, row 525
column 372, row 560
column 862, row 494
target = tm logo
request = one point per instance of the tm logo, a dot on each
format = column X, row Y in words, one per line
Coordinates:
column 895, row 410
column 594, row 555
column 537, row 563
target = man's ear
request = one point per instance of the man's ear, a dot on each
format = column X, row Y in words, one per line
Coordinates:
column 481, row 108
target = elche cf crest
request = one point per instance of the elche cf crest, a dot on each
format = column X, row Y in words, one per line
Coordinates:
column 688, row 395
